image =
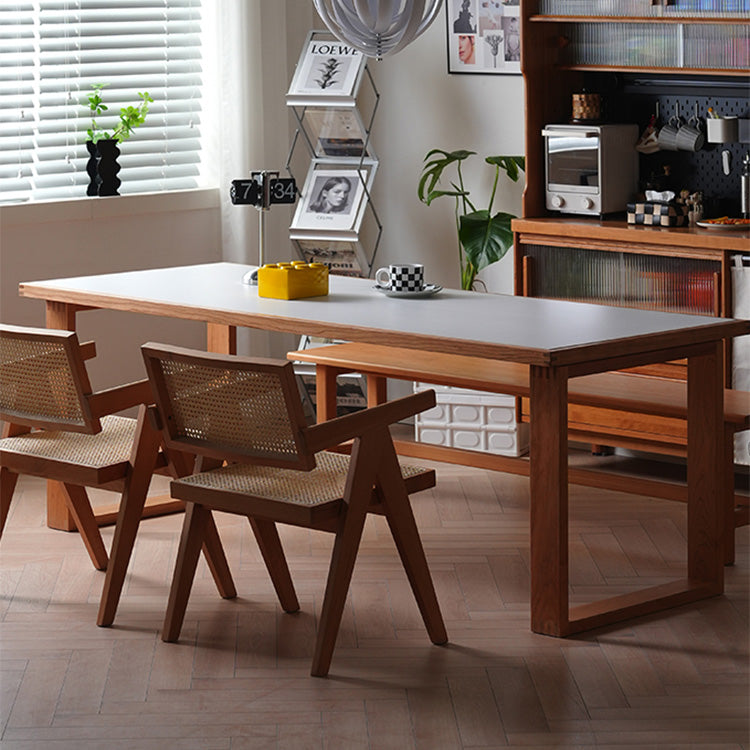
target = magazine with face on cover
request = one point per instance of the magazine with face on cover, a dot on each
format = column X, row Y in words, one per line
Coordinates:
column 333, row 199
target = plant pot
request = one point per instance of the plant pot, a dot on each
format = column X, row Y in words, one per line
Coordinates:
column 102, row 167
column 91, row 168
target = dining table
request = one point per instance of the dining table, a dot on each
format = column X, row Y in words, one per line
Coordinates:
column 557, row 339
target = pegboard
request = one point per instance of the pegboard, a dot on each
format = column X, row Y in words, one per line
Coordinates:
column 701, row 170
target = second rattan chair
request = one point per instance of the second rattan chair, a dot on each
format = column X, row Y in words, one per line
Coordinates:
column 248, row 413
column 57, row 428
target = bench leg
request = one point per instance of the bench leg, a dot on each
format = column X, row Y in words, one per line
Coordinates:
column 729, row 494
column 377, row 390
column 706, row 449
column 325, row 392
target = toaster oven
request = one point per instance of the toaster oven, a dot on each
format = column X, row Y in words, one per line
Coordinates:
column 590, row 169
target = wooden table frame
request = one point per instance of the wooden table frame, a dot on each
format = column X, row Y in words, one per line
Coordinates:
column 647, row 338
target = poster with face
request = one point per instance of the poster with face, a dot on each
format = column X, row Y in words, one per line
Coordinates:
column 484, row 36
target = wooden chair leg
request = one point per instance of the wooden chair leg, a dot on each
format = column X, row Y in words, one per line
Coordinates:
column 212, row 547
column 143, row 459
column 400, row 518
column 366, row 454
column 217, row 561
column 8, row 481
column 191, row 540
column 80, row 508
column 269, row 543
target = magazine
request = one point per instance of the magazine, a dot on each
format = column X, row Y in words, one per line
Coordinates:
column 342, row 258
column 337, row 132
column 328, row 71
column 333, row 200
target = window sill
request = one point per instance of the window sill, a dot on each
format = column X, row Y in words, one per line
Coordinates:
column 86, row 209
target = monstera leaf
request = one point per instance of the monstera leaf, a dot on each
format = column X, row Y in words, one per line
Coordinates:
column 483, row 237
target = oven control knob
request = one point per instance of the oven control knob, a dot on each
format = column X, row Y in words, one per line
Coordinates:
column 587, row 203
column 557, row 201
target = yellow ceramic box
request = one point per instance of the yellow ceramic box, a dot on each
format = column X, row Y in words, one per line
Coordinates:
column 293, row 280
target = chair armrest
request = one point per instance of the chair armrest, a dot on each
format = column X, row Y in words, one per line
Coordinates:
column 88, row 349
column 122, row 397
column 336, row 431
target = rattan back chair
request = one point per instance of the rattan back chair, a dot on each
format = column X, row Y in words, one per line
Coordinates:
column 56, row 427
column 244, row 416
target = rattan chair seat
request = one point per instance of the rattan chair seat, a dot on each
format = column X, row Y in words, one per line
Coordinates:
column 324, row 484
column 111, row 446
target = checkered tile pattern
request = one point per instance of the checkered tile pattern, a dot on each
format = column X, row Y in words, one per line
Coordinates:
column 658, row 214
column 407, row 279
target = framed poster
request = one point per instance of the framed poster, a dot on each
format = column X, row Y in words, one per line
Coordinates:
column 333, row 200
column 484, row 36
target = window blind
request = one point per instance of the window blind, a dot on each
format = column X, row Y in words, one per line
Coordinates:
column 53, row 51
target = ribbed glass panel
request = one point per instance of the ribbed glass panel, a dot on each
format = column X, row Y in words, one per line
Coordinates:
column 716, row 46
column 633, row 44
column 53, row 51
column 679, row 8
column 624, row 279
column 722, row 46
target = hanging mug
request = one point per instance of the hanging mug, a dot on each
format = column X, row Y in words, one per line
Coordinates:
column 690, row 136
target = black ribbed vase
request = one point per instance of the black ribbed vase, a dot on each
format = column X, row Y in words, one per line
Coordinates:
column 102, row 167
column 91, row 169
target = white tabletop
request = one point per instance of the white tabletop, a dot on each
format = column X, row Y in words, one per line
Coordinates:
column 523, row 329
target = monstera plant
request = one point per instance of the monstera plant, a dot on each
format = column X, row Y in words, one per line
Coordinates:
column 483, row 237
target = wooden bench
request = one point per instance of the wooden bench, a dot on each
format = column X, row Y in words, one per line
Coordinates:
column 615, row 391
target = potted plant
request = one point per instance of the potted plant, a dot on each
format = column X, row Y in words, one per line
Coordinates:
column 483, row 238
column 102, row 145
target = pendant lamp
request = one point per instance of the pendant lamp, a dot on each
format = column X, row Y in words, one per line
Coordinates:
column 377, row 27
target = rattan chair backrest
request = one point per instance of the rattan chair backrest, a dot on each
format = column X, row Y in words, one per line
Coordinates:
column 43, row 380
column 229, row 407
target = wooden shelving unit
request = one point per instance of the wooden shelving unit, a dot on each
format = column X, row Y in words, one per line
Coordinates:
column 685, row 267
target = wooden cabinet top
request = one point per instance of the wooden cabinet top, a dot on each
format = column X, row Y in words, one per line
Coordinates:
column 585, row 228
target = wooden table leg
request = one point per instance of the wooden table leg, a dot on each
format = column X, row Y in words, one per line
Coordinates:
column 548, row 482
column 62, row 317
column 221, row 339
column 707, row 491
column 708, row 503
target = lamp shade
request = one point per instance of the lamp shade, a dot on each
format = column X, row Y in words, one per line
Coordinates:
column 377, row 27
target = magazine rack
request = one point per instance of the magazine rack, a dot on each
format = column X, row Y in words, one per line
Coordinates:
column 335, row 219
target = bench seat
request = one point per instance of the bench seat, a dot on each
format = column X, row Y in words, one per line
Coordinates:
column 616, row 392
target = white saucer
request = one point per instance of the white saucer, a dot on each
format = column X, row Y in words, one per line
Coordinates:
column 426, row 291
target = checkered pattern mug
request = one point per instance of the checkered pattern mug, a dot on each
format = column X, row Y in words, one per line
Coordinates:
column 401, row 277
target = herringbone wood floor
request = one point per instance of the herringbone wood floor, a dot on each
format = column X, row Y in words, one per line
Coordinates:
column 239, row 678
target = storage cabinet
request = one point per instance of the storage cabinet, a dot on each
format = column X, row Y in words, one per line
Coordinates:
column 682, row 53
column 681, row 56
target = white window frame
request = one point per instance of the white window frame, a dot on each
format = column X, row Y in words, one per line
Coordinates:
column 45, row 158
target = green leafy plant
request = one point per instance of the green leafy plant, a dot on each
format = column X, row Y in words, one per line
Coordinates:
column 130, row 117
column 483, row 238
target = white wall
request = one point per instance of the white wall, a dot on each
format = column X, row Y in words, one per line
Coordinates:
column 421, row 107
column 102, row 235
